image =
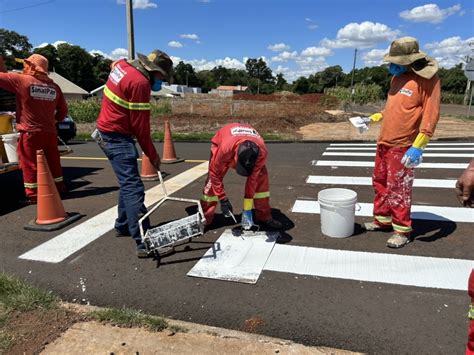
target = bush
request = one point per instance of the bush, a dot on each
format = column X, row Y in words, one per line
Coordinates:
column 450, row 98
column 363, row 94
column 87, row 111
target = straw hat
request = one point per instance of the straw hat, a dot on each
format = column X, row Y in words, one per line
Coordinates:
column 38, row 62
column 406, row 51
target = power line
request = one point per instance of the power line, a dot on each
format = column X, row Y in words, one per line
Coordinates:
column 27, row 7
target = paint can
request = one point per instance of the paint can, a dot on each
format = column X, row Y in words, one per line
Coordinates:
column 337, row 212
column 10, row 143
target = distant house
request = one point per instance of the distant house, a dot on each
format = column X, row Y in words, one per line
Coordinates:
column 227, row 90
column 71, row 91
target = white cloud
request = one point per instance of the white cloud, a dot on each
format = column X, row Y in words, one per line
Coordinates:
column 374, row 57
column 204, row 1
column 140, row 4
column 316, row 51
column 450, row 51
column 175, row 44
column 361, row 35
column 117, row 53
column 191, row 36
column 203, row 64
column 55, row 44
column 278, row 47
column 429, row 13
column 311, row 24
column 285, row 56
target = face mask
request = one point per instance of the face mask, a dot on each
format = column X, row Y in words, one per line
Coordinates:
column 396, row 69
column 156, row 85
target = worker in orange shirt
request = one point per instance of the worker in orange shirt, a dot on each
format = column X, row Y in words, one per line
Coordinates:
column 409, row 121
column 40, row 104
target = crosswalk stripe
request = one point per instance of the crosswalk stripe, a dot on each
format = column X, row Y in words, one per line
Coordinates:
column 420, row 271
column 431, row 155
column 370, row 164
column 373, row 149
column 433, row 213
column 62, row 246
column 373, row 144
column 367, row 181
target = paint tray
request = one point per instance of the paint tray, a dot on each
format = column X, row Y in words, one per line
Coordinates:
column 171, row 233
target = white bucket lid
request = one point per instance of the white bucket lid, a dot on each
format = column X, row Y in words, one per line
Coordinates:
column 10, row 136
column 337, row 195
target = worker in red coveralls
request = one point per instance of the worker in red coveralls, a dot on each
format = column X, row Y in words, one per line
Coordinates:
column 125, row 115
column 465, row 194
column 409, row 120
column 39, row 105
column 240, row 147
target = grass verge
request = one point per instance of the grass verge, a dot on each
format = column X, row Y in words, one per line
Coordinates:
column 128, row 318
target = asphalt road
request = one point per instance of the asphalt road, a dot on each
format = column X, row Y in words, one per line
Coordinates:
column 373, row 317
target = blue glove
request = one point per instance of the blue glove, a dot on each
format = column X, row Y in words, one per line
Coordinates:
column 412, row 157
column 247, row 219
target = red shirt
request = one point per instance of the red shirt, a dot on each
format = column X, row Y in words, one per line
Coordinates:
column 126, row 106
column 224, row 148
column 39, row 103
column 471, row 286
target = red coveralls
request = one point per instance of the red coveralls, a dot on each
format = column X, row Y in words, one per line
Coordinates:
column 470, row 341
column 39, row 105
column 412, row 107
column 224, row 146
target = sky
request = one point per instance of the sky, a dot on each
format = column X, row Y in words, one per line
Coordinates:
column 295, row 37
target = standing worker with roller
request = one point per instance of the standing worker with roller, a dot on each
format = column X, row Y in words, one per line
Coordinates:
column 409, row 120
column 240, row 147
column 125, row 114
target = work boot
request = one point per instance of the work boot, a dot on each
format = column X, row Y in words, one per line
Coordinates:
column 377, row 227
column 142, row 251
column 121, row 233
column 398, row 240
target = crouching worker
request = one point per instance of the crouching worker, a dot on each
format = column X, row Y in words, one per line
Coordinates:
column 409, row 120
column 240, row 147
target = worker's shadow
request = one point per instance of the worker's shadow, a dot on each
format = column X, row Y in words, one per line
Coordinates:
column 432, row 227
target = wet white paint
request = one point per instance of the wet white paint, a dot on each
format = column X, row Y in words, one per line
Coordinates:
column 434, row 213
column 367, row 181
column 420, row 271
column 236, row 258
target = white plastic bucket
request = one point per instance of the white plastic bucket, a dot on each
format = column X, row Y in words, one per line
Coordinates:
column 10, row 142
column 337, row 212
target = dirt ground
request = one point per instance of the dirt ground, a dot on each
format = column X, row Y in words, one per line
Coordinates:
column 327, row 125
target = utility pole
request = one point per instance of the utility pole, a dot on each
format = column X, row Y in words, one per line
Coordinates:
column 130, row 37
column 353, row 72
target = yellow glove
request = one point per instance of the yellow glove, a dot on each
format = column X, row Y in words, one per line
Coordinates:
column 376, row 117
column 421, row 141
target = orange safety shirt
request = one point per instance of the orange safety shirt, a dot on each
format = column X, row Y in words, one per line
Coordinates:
column 39, row 103
column 412, row 107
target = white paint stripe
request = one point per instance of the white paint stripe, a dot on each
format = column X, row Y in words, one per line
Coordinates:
column 373, row 149
column 236, row 258
column 367, row 181
column 433, row 155
column 373, row 144
column 62, row 246
column 420, row 271
column 370, row 164
column 433, row 213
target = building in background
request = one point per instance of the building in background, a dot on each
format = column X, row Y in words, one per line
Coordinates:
column 226, row 91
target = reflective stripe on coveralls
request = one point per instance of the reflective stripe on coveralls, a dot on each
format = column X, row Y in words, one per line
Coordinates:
column 125, row 104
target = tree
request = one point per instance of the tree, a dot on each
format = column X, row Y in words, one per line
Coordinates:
column 258, row 69
column 453, row 79
column 13, row 45
column 184, row 74
column 281, row 82
column 101, row 68
column 301, row 85
column 76, row 65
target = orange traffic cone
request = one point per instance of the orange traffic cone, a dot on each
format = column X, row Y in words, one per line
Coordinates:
column 169, row 154
column 50, row 214
column 148, row 171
